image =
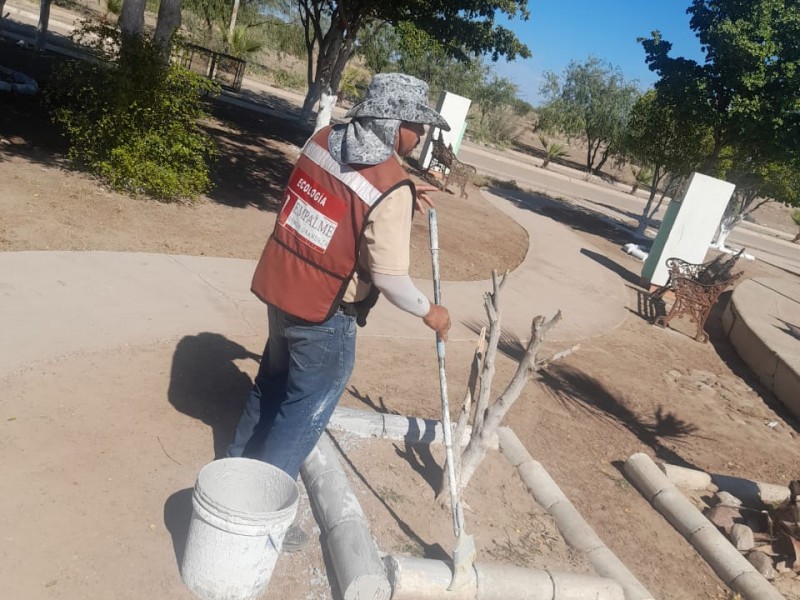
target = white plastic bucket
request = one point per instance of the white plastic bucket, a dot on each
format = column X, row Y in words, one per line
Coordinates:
column 241, row 511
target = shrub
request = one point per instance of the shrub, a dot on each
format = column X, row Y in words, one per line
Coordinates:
column 133, row 119
column 288, row 80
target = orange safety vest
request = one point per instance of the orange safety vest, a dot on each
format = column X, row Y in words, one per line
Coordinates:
column 313, row 251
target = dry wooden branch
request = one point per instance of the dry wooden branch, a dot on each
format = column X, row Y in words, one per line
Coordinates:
column 492, row 304
column 528, row 365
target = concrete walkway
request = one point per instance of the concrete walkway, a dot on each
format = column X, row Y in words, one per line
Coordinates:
column 56, row 304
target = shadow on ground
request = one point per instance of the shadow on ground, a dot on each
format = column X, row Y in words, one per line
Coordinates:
column 789, row 328
column 432, row 551
column 256, row 157
column 577, row 389
column 255, row 150
column 418, row 456
column 177, row 517
column 574, row 217
column 718, row 337
column 207, row 384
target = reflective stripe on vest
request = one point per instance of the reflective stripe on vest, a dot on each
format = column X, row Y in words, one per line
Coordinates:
column 348, row 176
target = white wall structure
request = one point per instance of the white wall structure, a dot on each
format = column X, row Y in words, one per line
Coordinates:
column 454, row 109
column 688, row 227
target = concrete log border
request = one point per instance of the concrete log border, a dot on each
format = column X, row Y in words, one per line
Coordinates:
column 734, row 569
column 576, row 531
column 752, row 493
column 392, row 427
column 358, row 568
column 360, row 573
column 422, row 579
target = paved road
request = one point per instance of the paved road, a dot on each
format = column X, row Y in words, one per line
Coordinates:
column 767, row 245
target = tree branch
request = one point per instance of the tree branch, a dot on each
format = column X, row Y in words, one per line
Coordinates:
column 493, row 312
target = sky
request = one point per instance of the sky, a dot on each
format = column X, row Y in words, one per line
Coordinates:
column 560, row 31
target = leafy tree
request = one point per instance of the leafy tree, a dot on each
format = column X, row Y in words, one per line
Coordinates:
column 499, row 91
column 497, row 111
column 377, row 43
column 657, row 138
column 591, row 100
column 461, row 28
column 747, row 91
column 419, row 54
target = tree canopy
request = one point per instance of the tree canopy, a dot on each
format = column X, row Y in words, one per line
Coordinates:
column 747, row 90
column 658, row 139
column 460, row 28
column 591, row 100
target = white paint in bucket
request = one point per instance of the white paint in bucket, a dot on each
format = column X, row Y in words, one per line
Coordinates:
column 241, row 511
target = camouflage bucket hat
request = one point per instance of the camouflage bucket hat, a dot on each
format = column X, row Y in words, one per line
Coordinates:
column 398, row 96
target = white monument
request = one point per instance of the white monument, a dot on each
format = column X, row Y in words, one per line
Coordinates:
column 688, row 226
column 454, row 109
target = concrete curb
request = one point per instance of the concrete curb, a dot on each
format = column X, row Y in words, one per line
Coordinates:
column 751, row 333
column 576, row 531
column 733, row 568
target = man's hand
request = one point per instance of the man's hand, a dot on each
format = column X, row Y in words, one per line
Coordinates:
column 422, row 196
column 438, row 319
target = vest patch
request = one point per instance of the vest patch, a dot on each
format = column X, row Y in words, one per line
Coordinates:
column 310, row 212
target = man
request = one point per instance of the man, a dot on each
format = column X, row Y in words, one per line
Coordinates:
column 342, row 234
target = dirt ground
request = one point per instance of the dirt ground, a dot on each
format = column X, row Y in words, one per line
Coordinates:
column 98, row 452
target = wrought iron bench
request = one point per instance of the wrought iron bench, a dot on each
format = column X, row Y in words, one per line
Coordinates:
column 452, row 169
column 696, row 287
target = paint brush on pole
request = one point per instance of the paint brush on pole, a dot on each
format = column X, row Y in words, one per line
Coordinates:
column 464, row 552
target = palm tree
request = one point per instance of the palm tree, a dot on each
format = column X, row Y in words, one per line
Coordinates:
column 552, row 150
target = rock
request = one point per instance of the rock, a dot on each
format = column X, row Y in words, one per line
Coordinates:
column 763, row 563
column 724, row 517
column 742, row 537
column 781, row 567
column 724, row 498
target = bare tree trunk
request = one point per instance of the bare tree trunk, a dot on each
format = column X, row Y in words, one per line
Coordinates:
column 131, row 17
column 234, row 16
column 41, row 28
column 725, row 227
column 491, row 302
column 644, row 220
column 603, row 159
column 2, row 14
column 169, row 20
column 493, row 312
column 312, row 97
column 326, row 103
